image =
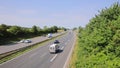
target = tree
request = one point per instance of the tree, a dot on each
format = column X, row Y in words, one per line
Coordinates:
column 99, row 41
column 15, row 30
column 34, row 30
column 3, row 30
column 54, row 29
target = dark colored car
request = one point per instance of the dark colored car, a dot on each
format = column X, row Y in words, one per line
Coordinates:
column 56, row 42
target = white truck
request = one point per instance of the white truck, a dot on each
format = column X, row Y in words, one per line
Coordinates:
column 54, row 48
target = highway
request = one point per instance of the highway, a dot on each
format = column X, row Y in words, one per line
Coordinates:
column 10, row 47
column 41, row 58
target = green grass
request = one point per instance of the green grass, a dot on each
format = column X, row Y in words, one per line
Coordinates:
column 25, row 50
column 74, row 58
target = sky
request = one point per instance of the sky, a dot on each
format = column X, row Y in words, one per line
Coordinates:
column 62, row 13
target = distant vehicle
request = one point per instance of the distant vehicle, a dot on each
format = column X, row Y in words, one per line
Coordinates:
column 54, row 48
column 56, row 42
column 49, row 35
column 27, row 41
column 22, row 41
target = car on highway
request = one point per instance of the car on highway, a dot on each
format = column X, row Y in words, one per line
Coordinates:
column 49, row 35
column 56, row 42
column 22, row 41
column 25, row 41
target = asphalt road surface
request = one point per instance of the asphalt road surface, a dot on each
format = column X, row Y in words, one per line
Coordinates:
column 41, row 58
column 10, row 47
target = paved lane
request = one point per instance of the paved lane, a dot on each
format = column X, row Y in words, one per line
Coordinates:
column 10, row 47
column 41, row 58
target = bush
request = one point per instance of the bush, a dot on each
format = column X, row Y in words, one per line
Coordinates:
column 99, row 41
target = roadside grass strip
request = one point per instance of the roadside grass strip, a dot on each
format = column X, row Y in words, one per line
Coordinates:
column 72, row 63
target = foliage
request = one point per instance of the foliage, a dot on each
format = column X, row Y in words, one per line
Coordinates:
column 14, row 30
column 34, row 30
column 3, row 30
column 10, row 32
column 99, row 41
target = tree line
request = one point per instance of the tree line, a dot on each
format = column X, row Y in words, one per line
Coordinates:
column 11, row 32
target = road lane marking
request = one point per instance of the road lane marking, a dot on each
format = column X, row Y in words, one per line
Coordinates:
column 62, row 48
column 32, row 55
column 68, row 40
column 70, row 53
column 53, row 58
column 66, row 43
column 26, row 52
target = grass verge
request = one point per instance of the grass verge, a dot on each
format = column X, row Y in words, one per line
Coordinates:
column 10, row 55
column 73, row 59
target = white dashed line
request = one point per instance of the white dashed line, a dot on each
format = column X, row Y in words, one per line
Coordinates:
column 68, row 40
column 53, row 58
column 66, row 43
column 62, row 48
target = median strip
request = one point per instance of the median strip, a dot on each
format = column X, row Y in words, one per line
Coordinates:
column 12, row 54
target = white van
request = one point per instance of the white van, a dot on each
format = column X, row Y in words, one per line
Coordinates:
column 54, row 48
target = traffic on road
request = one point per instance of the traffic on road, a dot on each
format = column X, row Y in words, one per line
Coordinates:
column 42, row 57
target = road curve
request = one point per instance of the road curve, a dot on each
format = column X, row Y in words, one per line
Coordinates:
column 41, row 58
